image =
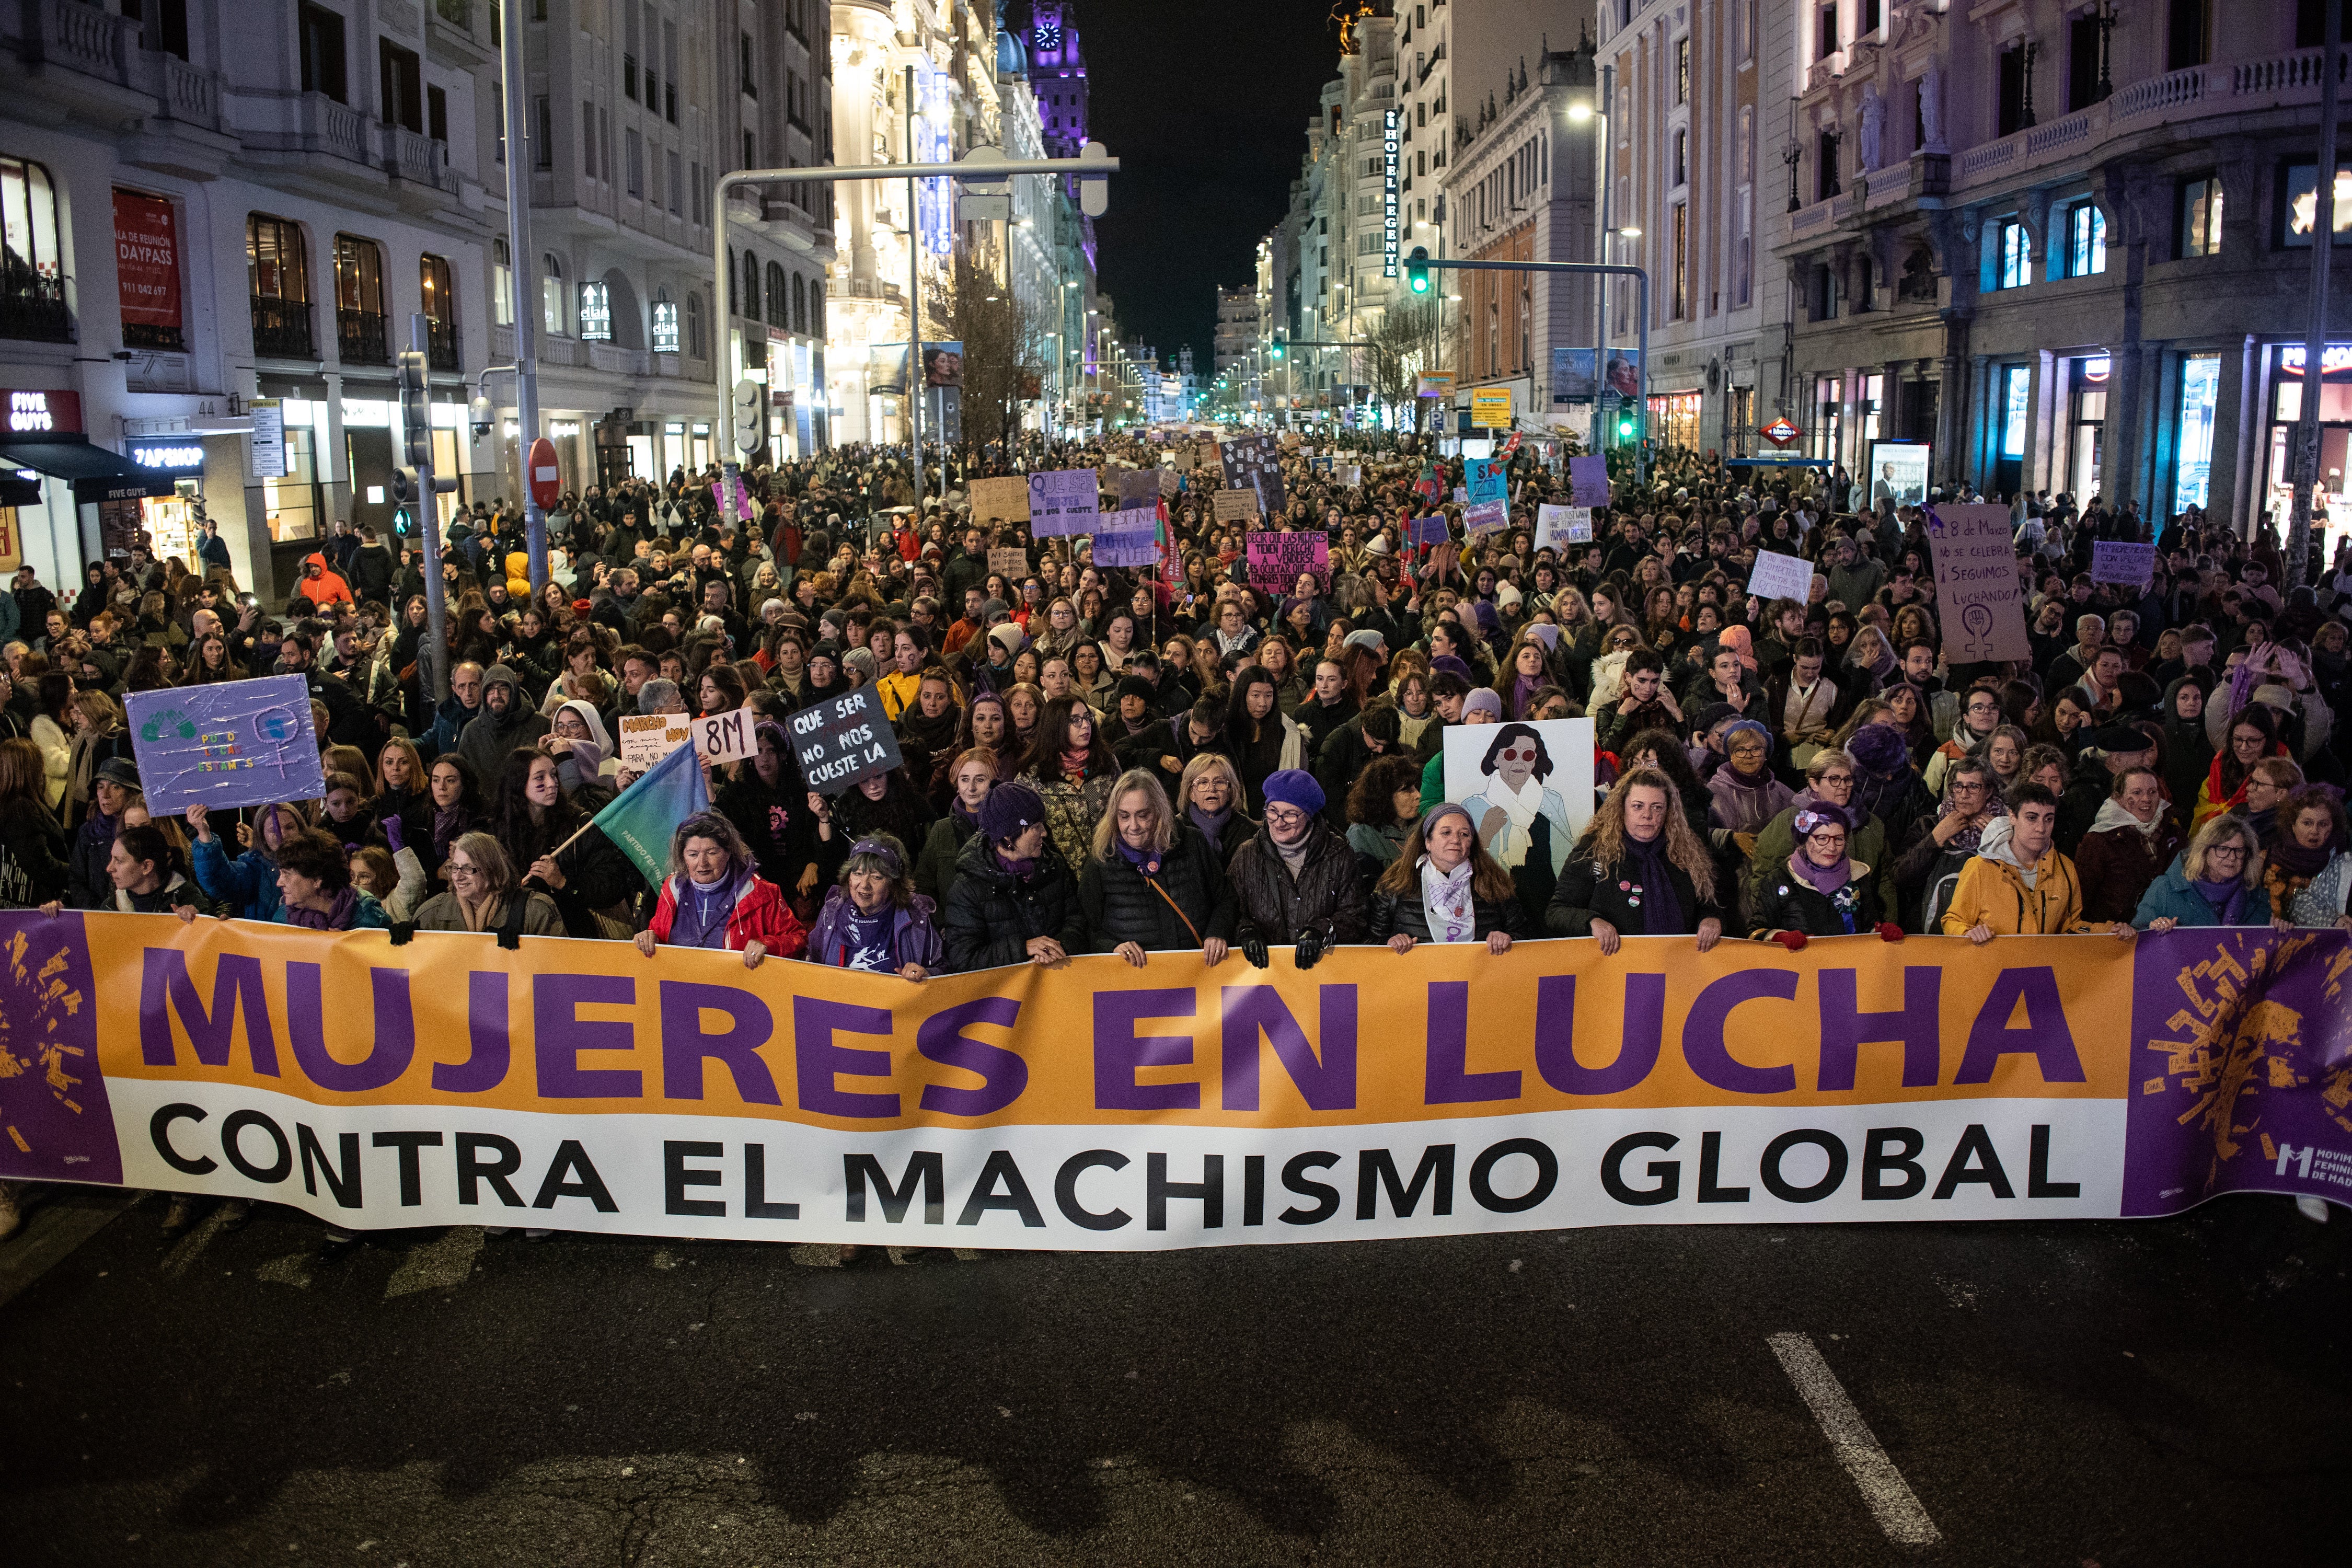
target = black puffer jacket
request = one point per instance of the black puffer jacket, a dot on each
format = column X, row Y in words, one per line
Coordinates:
column 1326, row 897
column 991, row 914
column 1120, row 906
column 1785, row 902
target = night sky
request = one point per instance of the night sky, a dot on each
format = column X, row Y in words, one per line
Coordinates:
column 1205, row 105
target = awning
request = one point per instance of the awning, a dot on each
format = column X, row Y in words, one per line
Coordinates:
column 98, row 475
column 17, row 490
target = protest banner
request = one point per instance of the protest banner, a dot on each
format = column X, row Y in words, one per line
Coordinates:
column 1138, row 487
column 225, row 744
column 1588, row 480
column 1011, row 562
column 1128, row 537
column 1779, row 576
column 841, row 741
column 1276, row 560
column 1558, row 525
column 1000, row 500
column 1064, row 500
column 1981, row 606
column 646, row 738
column 1234, row 506
column 2132, row 566
column 1486, row 487
column 2035, row 1078
column 725, row 737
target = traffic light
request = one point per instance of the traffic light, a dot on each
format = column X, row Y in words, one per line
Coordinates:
column 415, row 417
column 1629, row 429
column 1416, row 269
column 401, row 487
column 1279, row 347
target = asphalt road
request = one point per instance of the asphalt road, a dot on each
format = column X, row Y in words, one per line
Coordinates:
column 2067, row 1394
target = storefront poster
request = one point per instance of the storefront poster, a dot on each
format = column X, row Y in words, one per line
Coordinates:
column 147, row 262
column 1898, row 473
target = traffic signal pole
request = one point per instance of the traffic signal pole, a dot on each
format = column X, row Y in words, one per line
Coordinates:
column 520, row 271
column 417, row 429
column 1418, row 267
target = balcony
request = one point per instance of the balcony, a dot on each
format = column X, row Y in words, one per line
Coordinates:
column 412, row 156
column 33, row 308
column 281, row 329
column 608, row 360
column 362, row 338
column 441, row 347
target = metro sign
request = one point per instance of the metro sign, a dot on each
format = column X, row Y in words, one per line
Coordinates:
column 1780, row 433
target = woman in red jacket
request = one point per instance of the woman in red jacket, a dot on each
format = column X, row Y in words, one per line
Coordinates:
column 714, row 898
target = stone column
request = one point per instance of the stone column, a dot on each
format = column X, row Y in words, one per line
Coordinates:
column 2235, row 438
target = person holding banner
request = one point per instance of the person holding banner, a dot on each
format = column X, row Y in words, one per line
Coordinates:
column 1013, row 898
column 874, row 919
column 1152, row 883
column 2218, row 881
column 482, row 896
column 544, row 831
column 1639, row 869
column 2018, row 883
column 1296, row 880
column 1443, row 888
column 1818, row 890
column 715, row 898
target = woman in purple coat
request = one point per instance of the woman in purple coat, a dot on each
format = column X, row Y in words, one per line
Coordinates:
column 875, row 920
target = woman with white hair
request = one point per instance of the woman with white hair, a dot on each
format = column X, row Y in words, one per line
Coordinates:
column 713, row 898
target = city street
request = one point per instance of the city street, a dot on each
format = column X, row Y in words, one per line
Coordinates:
column 2071, row 1394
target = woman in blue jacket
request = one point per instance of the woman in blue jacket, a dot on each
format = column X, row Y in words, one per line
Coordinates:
column 2218, row 882
column 245, row 885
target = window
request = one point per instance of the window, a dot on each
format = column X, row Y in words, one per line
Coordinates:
column 634, row 161
column 2086, row 240
column 324, row 64
column 1825, row 30
column 1678, row 259
column 32, row 287
column 550, row 295
column 1825, row 167
column 2201, row 386
column 2013, row 263
column 1870, row 19
column 360, row 323
column 2011, row 100
column 2185, row 34
column 695, row 185
column 436, row 115
column 751, row 88
column 2016, row 403
column 2201, row 217
column 1682, row 70
column 542, row 133
column 2082, row 62
column 2299, row 204
column 1682, row 157
column 167, row 25
column 669, row 79
column 779, row 303
column 501, row 283
column 595, row 313
column 440, row 295
column 732, row 308
column 751, row 287
column 694, row 325
column 664, row 323
column 816, row 308
column 674, row 183
column 2311, row 22
column 750, row 151
column 400, row 86
column 1747, row 30
column 499, row 115
column 654, row 178
column 800, row 304
column 588, row 139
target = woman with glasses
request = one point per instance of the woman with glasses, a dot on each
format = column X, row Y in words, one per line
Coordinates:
column 2218, row 882
column 1829, row 784
column 1296, row 880
column 1818, row 890
column 482, row 895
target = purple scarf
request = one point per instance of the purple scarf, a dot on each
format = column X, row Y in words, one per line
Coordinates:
column 1022, row 869
column 335, row 917
column 1145, row 861
column 2228, row 900
column 1823, row 879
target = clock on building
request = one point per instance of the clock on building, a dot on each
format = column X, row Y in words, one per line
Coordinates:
column 1049, row 35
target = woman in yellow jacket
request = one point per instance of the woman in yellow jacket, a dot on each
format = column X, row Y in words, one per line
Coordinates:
column 2017, row 884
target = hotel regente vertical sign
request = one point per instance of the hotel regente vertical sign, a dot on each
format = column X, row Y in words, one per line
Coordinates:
column 1390, row 237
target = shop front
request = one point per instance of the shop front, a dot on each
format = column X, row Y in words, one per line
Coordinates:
column 2333, row 500
column 172, row 522
column 1674, row 419
column 66, row 500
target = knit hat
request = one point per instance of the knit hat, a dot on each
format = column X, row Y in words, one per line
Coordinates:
column 1880, row 748
column 1443, row 807
column 1010, row 808
column 1380, row 544
column 1482, row 700
column 991, row 608
column 1711, row 715
column 1749, row 726
column 1822, row 814
column 1449, row 664
column 1008, row 636
column 1367, row 639
column 1295, row 786
column 860, row 659
column 1136, row 686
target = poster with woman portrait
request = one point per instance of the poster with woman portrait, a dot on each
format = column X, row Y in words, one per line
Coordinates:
column 1527, row 786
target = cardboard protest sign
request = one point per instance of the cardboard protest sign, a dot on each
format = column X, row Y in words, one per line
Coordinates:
column 725, row 737
column 840, row 742
column 1138, row 487
column 1778, row 576
column 1528, row 787
column 1276, row 560
column 1558, row 525
column 1979, row 600
column 1588, row 480
column 1064, row 500
column 1255, row 462
column 226, row 744
column 1488, row 486
column 1171, row 482
column 1430, row 529
column 1128, row 537
column 646, row 738
column 1011, row 562
column 2131, row 564
column 1000, row 501
column 1349, row 474
column 1234, row 506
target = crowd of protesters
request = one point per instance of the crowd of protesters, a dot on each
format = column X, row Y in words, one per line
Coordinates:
column 1131, row 761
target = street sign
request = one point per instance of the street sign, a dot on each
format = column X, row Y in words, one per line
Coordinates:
column 1490, row 408
column 546, row 477
column 1780, row 433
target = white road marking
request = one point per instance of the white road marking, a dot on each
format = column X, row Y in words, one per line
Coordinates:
column 1888, row 1495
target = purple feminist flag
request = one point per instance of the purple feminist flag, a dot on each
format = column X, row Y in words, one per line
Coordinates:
column 2242, row 1071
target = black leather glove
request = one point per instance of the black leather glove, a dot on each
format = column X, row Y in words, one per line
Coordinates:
column 1310, row 949
column 1254, row 950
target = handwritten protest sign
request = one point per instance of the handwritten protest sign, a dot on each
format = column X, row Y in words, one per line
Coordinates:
column 648, row 738
column 2131, row 564
column 725, row 737
column 1234, row 506
column 1276, row 560
column 1981, row 604
column 1011, row 562
column 1558, row 525
column 225, row 744
column 1349, row 474
column 1588, row 478
column 1064, row 500
column 1128, row 537
column 1000, row 500
column 1255, row 462
column 1779, row 576
column 1430, row 529
column 1138, row 487
column 840, row 742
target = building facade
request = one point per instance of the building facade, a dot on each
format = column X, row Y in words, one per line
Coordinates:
column 1696, row 90
column 1237, row 325
column 2067, row 248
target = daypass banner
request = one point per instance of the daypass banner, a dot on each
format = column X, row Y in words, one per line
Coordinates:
column 1444, row 1091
